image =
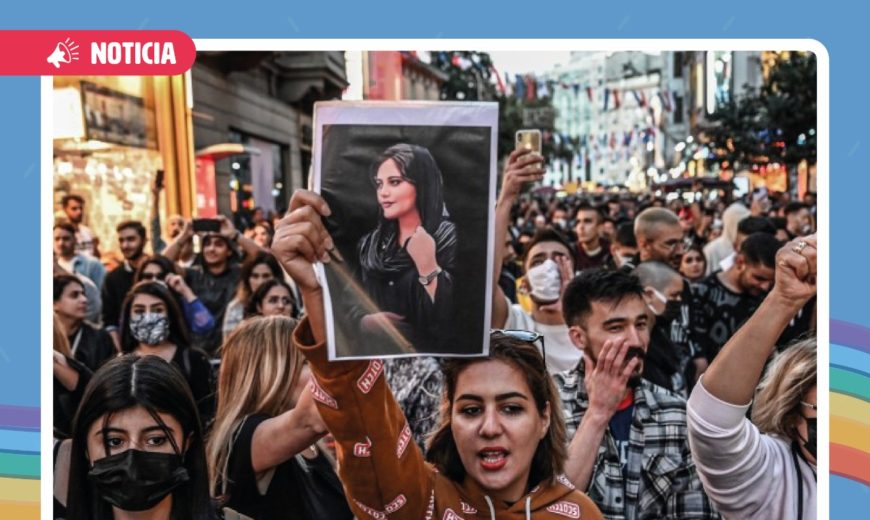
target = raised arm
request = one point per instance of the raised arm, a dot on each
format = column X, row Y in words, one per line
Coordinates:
column 173, row 250
column 249, row 247
column 382, row 469
column 734, row 374
column 522, row 166
column 278, row 439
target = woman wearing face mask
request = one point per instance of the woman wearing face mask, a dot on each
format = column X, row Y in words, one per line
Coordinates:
column 262, row 268
column 137, row 448
column 272, row 298
column 151, row 324
column 765, row 468
column 500, row 447
column 161, row 269
column 406, row 261
column 262, row 455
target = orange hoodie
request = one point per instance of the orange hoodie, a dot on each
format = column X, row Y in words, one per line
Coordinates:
column 383, row 470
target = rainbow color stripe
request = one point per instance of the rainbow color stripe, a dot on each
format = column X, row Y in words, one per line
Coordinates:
column 19, row 462
column 850, row 401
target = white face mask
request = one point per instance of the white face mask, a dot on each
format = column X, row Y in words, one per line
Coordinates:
column 545, row 281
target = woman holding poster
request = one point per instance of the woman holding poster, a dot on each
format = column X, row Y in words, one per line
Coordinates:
column 498, row 452
column 406, row 260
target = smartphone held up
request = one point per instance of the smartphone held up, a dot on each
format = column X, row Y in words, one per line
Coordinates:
column 529, row 140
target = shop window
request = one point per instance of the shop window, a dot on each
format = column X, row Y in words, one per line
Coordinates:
column 257, row 179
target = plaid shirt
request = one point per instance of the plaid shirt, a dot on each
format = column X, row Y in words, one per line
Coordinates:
column 659, row 480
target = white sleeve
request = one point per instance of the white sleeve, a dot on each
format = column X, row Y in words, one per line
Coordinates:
column 738, row 465
column 516, row 317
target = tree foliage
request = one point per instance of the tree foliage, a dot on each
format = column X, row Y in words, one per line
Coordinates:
column 774, row 123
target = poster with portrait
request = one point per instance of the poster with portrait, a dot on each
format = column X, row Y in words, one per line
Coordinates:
column 411, row 186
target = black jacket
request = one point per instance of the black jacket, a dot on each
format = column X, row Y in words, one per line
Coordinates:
column 115, row 287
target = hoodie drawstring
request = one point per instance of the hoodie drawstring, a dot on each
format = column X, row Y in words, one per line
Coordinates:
column 491, row 508
column 529, row 507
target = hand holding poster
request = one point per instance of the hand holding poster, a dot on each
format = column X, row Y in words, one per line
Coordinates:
column 411, row 187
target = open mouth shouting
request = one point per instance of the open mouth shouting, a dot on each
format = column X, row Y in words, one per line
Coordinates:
column 493, row 458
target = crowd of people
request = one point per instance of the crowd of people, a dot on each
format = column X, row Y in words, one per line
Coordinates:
column 649, row 358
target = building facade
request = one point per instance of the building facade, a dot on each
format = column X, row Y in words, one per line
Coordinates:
column 264, row 101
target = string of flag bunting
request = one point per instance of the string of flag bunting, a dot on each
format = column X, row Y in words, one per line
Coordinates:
column 528, row 87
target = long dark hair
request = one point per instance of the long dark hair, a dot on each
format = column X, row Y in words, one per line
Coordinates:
column 244, row 290
column 165, row 264
column 256, row 299
column 158, row 387
column 418, row 167
column 61, row 281
column 379, row 251
column 548, row 460
column 178, row 332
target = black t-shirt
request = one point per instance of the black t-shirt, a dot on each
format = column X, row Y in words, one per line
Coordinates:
column 197, row 371
column 92, row 346
column 290, row 489
column 215, row 292
column 587, row 261
column 116, row 284
column 718, row 312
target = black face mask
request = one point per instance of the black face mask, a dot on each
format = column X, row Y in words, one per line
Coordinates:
column 137, row 480
column 810, row 443
column 673, row 310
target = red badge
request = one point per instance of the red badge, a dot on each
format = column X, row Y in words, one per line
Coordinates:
column 96, row 53
column 363, row 449
column 367, row 381
column 321, row 396
column 396, row 504
column 566, row 509
column 404, row 440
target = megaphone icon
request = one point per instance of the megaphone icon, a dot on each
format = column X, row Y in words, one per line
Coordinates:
column 65, row 52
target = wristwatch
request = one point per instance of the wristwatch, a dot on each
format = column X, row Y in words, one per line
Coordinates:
column 426, row 280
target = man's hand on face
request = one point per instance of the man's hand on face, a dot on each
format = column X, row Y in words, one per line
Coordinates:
column 607, row 379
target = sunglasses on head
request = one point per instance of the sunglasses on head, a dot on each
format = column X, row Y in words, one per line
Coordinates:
column 526, row 336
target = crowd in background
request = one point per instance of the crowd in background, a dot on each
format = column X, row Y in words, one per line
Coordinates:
column 180, row 390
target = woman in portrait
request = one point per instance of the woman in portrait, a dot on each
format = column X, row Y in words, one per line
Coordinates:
column 407, row 260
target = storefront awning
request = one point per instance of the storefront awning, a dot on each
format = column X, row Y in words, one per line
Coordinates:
column 223, row 150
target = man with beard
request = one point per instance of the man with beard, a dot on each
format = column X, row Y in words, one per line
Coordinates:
column 74, row 207
column 131, row 239
column 660, row 239
column 659, row 236
column 726, row 299
column 629, row 450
